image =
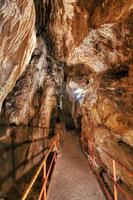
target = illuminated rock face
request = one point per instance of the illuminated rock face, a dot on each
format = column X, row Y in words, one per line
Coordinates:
column 94, row 39
column 67, row 26
column 103, row 48
column 29, row 106
column 105, row 103
column 17, row 41
column 28, row 87
column 73, row 24
column 98, row 52
column 22, row 103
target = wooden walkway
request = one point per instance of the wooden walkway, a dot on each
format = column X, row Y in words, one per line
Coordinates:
column 72, row 178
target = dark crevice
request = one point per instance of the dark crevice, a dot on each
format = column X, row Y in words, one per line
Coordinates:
column 124, row 145
column 118, row 73
column 39, row 7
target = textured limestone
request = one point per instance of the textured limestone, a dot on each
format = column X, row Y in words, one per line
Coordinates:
column 22, row 103
column 65, row 23
column 100, row 84
column 102, row 12
column 103, row 48
column 36, row 90
column 21, row 149
column 48, row 103
column 107, row 114
column 17, row 41
column 95, row 39
column 105, row 141
column 71, row 21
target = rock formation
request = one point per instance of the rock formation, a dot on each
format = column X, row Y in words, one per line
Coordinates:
column 17, row 41
column 95, row 39
column 79, row 61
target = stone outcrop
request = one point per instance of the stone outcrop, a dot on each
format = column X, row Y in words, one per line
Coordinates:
column 70, row 21
column 66, row 20
column 17, row 41
column 104, row 48
column 22, row 103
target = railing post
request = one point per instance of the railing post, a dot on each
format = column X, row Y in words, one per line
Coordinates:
column 44, row 178
column 114, row 176
column 82, row 142
column 91, row 148
column 58, row 139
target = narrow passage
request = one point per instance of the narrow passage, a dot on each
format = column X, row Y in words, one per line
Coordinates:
column 72, row 178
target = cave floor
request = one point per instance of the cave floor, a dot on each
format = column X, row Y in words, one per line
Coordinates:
column 72, row 178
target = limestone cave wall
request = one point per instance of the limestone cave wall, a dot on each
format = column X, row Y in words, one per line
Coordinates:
column 95, row 40
column 84, row 47
column 29, row 85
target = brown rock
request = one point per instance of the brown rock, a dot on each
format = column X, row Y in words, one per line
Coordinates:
column 17, row 41
column 21, row 104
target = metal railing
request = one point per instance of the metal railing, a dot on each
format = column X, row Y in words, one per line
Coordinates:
column 53, row 147
column 117, row 188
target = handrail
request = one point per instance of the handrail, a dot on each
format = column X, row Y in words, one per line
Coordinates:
column 117, row 187
column 121, row 164
column 54, row 143
column 24, row 126
column 18, row 127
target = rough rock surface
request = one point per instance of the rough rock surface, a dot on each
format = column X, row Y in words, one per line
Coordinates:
column 71, row 21
column 17, row 41
column 22, row 103
column 29, row 105
column 93, row 40
column 103, row 48
column 105, row 104
column 20, row 150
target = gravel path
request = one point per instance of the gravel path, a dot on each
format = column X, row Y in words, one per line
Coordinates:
column 72, row 179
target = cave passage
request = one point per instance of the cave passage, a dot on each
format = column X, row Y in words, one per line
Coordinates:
column 72, row 178
column 66, row 66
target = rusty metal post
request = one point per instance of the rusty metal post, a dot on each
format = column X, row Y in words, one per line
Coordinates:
column 57, row 138
column 44, row 178
column 114, row 176
column 82, row 142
